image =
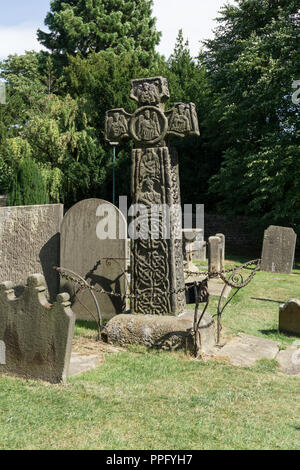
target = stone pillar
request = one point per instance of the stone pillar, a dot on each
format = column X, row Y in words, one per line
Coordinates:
column 214, row 250
column 156, row 262
column 222, row 256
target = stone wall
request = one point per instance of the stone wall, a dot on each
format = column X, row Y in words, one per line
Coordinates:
column 240, row 231
column 30, row 243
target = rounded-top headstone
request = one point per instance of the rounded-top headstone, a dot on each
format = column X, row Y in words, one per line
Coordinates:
column 93, row 245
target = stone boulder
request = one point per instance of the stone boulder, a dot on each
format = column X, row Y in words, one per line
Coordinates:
column 162, row 332
column 289, row 317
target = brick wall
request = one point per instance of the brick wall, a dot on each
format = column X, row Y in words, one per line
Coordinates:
column 240, row 231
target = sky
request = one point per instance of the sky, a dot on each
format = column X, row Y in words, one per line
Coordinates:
column 19, row 20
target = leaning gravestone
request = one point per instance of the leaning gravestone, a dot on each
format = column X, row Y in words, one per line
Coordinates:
column 101, row 262
column 29, row 243
column 278, row 250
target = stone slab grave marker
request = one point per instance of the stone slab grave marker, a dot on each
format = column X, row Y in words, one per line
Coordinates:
column 29, row 243
column 37, row 335
column 83, row 252
column 157, row 276
column 278, row 249
column 289, row 317
column 3, row 201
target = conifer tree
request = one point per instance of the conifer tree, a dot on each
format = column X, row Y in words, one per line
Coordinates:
column 86, row 26
column 28, row 186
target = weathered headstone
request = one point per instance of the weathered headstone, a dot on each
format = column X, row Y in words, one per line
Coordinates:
column 101, row 262
column 157, row 277
column 214, row 254
column 289, row 317
column 222, row 248
column 199, row 251
column 199, row 246
column 278, row 249
column 189, row 237
column 3, row 201
column 36, row 337
column 29, row 243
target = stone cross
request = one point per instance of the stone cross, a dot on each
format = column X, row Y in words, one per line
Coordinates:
column 157, row 277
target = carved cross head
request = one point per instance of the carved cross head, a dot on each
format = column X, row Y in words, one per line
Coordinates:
column 150, row 124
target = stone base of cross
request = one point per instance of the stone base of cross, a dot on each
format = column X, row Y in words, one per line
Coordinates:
column 157, row 276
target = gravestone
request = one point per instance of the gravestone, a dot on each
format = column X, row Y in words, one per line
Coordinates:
column 214, row 254
column 3, row 201
column 29, row 243
column 222, row 248
column 101, row 262
column 157, row 276
column 278, row 250
column 289, row 317
column 189, row 238
column 199, row 246
column 36, row 336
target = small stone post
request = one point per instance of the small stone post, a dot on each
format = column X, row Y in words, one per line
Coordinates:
column 214, row 258
column 222, row 260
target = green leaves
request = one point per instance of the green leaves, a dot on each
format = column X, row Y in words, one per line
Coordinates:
column 251, row 64
column 85, row 27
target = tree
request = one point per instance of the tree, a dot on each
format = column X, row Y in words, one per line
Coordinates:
column 188, row 83
column 254, row 126
column 86, row 26
column 28, row 186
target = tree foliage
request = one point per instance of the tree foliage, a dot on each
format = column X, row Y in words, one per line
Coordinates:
column 86, row 26
column 28, row 186
column 251, row 64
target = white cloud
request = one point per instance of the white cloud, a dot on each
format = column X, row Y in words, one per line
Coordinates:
column 18, row 39
column 194, row 17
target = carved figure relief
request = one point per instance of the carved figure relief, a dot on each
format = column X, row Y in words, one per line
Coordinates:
column 149, row 181
column 150, row 91
column 116, row 125
column 183, row 120
column 148, row 125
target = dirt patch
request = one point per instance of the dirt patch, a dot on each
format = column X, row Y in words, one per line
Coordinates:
column 87, row 345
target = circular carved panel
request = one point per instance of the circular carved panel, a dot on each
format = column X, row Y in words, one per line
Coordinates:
column 148, row 125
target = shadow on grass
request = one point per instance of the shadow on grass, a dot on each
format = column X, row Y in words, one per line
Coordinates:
column 268, row 300
column 89, row 325
column 277, row 332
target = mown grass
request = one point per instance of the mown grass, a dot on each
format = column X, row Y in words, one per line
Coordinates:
column 255, row 308
column 154, row 400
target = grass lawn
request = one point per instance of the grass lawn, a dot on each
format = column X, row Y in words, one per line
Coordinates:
column 152, row 400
